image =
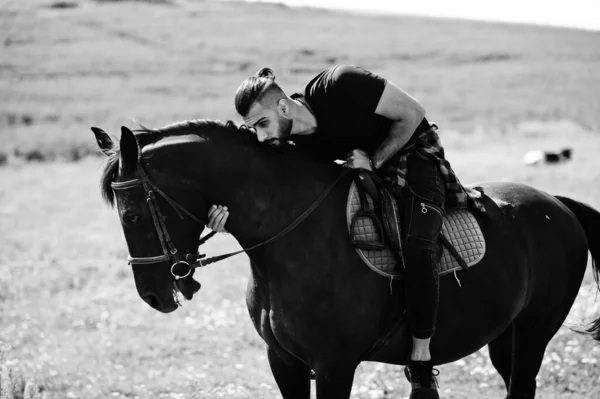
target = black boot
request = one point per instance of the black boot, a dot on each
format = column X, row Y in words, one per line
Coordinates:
column 421, row 376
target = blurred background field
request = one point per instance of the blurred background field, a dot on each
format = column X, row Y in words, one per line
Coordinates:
column 69, row 312
column 103, row 62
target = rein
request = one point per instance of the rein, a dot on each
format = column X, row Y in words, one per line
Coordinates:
column 182, row 268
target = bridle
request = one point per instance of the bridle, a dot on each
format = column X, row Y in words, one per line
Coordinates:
column 170, row 254
column 182, row 268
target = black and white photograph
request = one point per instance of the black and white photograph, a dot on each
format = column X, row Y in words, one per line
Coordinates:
column 299, row 199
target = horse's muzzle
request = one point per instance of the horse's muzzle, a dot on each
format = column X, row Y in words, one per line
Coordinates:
column 188, row 287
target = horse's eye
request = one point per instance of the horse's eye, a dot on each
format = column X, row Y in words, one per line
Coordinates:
column 131, row 218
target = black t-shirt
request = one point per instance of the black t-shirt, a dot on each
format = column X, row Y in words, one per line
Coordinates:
column 344, row 99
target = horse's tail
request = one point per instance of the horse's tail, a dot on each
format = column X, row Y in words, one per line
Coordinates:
column 589, row 218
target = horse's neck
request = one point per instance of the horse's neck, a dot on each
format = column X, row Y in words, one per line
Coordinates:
column 264, row 191
column 264, row 195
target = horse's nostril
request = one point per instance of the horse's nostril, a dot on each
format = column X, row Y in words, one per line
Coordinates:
column 151, row 300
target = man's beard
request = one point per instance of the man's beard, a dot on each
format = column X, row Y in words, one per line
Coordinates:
column 284, row 132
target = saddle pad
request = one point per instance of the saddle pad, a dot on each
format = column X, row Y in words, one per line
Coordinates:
column 460, row 228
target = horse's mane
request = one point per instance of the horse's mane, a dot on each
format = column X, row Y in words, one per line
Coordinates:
column 145, row 136
column 210, row 129
column 111, row 168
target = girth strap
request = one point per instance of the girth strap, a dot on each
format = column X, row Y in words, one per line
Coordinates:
column 453, row 251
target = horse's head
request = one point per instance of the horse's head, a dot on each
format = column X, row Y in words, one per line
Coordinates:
column 157, row 217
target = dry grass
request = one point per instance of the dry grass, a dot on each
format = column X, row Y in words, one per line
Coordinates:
column 14, row 386
column 69, row 312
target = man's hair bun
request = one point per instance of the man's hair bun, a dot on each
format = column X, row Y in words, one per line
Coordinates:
column 266, row 73
column 252, row 89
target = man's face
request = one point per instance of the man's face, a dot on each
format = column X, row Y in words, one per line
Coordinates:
column 270, row 124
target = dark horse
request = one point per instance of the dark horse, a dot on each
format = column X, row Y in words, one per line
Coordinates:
column 310, row 297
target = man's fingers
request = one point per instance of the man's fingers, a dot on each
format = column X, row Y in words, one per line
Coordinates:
column 217, row 217
column 213, row 209
column 222, row 222
column 211, row 224
column 212, row 218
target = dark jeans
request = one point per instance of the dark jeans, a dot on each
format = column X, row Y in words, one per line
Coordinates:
column 423, row 217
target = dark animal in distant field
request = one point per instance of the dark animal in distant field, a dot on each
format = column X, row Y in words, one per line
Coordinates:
column 310, row 297
column 536, row 157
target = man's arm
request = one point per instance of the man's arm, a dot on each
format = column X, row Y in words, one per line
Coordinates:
column 406, row 114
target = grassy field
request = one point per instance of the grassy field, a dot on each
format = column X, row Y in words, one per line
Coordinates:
column 69, row 312
column 101, row 63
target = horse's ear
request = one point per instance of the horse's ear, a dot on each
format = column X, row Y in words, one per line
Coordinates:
column 104, row 141
column 129, row 149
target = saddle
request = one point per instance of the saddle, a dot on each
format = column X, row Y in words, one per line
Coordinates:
column 379, row 210
column 375, row 230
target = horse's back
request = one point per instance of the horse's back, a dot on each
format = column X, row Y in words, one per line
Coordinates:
column 555, row 242
column 518, row 194
column 541, row 218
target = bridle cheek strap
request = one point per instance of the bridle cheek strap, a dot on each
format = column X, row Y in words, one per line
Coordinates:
column 168, row 248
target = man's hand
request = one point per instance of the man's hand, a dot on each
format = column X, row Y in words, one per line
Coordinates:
column 217, row 217
column 359, row 159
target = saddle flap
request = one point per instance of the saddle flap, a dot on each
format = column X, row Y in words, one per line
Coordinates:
column 460, row 227
column 391, row 220
column 382, row 209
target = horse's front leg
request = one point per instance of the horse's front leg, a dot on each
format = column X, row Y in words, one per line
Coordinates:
column 334, row 379
column 292, row 375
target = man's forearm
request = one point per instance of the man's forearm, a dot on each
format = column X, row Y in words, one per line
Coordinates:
column 400, row 133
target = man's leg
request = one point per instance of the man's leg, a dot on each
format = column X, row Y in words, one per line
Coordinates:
column 422, row 274
column 423, row 222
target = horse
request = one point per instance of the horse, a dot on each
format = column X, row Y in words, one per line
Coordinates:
column 318, row 308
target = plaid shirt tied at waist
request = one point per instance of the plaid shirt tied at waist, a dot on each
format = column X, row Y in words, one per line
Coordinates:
column 427, row 143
